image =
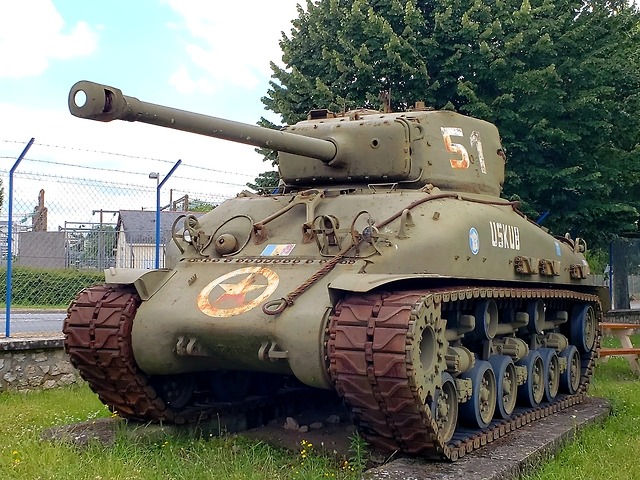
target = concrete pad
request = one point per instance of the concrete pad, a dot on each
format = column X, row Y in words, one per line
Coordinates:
column 507, row 457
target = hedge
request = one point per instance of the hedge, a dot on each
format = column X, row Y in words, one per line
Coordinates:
column 36, row 287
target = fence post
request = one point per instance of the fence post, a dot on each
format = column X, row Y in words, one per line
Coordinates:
column 610, row 274
column 158, row 188
column 7, row 331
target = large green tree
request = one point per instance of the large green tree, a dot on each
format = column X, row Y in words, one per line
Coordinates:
column 560, row 79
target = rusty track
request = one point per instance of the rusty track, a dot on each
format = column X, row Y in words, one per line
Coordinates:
column 368, row 348
column 98, row 340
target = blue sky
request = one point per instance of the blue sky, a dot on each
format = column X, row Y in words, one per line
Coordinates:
column 206, row 56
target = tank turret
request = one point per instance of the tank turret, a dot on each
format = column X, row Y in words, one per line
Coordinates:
column 360, row 147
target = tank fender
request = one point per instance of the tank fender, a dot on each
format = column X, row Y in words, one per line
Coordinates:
column 365, row 282
column 605, row 297
column 146, row 281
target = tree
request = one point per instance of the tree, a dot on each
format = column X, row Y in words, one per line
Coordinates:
column 98, row 247
column 560, row 79
column 197, row 205
column 265, row 182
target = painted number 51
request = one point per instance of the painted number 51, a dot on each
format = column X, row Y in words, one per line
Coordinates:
column 458, row 149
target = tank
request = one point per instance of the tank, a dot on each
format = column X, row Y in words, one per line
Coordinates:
column 385, row 267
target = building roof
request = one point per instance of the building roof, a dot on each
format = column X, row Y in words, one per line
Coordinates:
column 139, row 226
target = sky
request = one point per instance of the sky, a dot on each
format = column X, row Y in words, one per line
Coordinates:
column 210, row 57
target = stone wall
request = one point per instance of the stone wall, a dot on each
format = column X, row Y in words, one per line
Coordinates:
column 34, row 364
column 623, row 316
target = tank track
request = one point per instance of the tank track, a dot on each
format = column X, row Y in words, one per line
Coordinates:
column 369, row 340
column 382, row 397
column 98, row 340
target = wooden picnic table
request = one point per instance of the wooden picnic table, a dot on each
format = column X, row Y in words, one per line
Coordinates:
column 623, row 332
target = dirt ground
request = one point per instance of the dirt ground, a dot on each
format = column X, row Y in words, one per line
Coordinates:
column 329, row 428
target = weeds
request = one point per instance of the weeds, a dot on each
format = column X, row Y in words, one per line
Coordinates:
column 359, row 453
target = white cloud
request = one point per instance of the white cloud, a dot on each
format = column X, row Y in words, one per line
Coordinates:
column 184, row 83
column 32, row 32
column 231, row 43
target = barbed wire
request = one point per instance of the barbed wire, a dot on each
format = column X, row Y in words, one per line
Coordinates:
column 125, row 155
column 128, row 172
column 75, row 180
column 105, row 184
column 201, row 196
column 52, row 162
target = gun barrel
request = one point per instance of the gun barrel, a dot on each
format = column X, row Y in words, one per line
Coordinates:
column 104, row 103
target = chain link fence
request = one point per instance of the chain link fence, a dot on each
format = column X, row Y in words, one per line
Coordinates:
column 69, row 223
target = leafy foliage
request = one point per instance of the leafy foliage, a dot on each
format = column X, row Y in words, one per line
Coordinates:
column 197, row 205
column 560, row 79
column 98, row 247
column 266, row 182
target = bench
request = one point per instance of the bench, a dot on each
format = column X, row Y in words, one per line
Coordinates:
column 623, row 332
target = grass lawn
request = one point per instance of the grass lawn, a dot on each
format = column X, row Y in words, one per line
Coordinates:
column 609, row 451
column 24, row 456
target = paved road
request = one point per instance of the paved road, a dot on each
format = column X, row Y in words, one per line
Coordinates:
column 34, row 322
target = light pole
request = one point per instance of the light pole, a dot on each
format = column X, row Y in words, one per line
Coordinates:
column 159, row 184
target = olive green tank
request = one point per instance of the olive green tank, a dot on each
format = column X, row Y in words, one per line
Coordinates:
column 385, row 267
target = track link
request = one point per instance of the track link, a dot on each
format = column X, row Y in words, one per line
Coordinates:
column 371, row 337
column 98, row 340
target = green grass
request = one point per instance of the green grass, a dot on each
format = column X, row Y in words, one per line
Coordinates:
column 24, row 456
column 607, row 451
column 611, row 450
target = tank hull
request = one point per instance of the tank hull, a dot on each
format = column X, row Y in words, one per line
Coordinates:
column 463, row 240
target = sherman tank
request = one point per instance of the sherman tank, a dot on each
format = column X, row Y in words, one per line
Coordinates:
column 385, row 267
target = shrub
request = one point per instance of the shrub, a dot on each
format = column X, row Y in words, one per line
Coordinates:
column 39, row 287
